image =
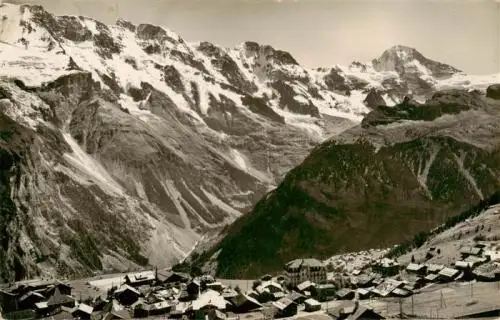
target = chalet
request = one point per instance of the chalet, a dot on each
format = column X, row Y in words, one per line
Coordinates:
column 363, row 293
column 229, row 293
column 278, row 295
column 271, row 285
column 28, row 300
column 387, row 267
column 207, row 301
column 82, row 311
column 216, row 315
column 100, row 303
column 206, row 278
column 62, row 313
column 434, row 268
column 363, row 280
column 324, row 292
column 312, row 305
column 216, row 286
column 138, row 309
column 172, row 278
column 113, row 310
column 476, row 261
column 377, row 280
column 41, row 309
column 180, row 309
column 297, row 297
column 448, row 274
column 184, row 295
column 345, row 294
column 244, row 303
column 387, row 287
column 401, row 292
column 492, row 255
column 63, row 289
column 416, row 268
column 285, row 308
column 463, row 265
column 265, row 296
column 300, row 270
column 253, row 294
column 140, row 278
column 415, row 284
column 283, row 280
column 487, row 272
column 432, row 277
column 470, row 251
column 8, row 301
column 165, row 294
column 266, row 277
column 305, row 286
column 353, row 310
column 127, row 295
column 193, row 288
column 26, row 286
column 159, row 308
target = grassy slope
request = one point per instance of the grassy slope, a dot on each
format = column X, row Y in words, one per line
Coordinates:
column 349, row 197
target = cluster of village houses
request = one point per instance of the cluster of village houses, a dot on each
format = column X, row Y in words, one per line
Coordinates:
column 304, row 285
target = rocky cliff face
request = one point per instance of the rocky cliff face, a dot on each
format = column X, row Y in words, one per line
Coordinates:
column 404, row 170
column 123, row 145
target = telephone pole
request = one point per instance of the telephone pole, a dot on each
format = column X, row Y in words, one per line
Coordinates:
column 400, row 308
column 412, row 306
column 443, row 303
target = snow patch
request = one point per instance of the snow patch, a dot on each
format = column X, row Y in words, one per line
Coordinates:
column 90, row 167
column 221, row 204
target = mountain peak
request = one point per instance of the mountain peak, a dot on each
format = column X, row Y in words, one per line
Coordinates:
column 399, row 53
column 408, row 60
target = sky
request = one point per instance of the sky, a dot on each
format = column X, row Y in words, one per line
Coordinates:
column 320, row 33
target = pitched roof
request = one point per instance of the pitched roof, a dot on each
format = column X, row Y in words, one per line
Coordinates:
column 141, row 276
column 304, row 285
column 325, row 286
column 362, row 291
column 283, row 303
column 279, row 294
column 432, row 268
column 344, row 292
column 299, row 263
column 159, row 305
column 295, row 295
column 415, row 267
column 31, row 293
column 312, row 302
column 463, row 264
column 41, row 305
column 431, row 277
column 209, row 297
column 386, row 287
column 85, row 308
column 126, row 287
column 449, row 272
column 267, row 284
column 242, row 298
column 471, row 250
column 386, row 262
column 59, row 299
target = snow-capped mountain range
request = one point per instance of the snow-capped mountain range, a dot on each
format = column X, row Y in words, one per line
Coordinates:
column 123, row 145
